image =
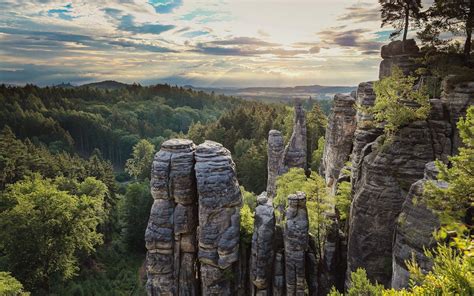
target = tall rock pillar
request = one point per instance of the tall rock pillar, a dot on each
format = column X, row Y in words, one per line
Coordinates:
column 295, row 152
column 219, row 218
column 275, row 157
column 171, row 233
column 296, row 243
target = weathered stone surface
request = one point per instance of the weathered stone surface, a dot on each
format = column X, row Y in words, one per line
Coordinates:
column 296, row 243
column 366, row 131
column 339, row 135
column 171, row 231
column 457, row 95
column 261, row 266
column 275, row 158
column 414, row 230
column 295, row 152
column 219, row 218
column 279, row 287
column 401, row 54
column 386, row 174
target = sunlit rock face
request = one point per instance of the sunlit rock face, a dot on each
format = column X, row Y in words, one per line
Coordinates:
column 387, row 171
column 339, row 136
column 296, row 243
column 402, row 54
column 414, row 230
column 219, row 218
column 171, row 233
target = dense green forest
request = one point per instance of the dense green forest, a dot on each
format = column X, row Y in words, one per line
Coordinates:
column 65, row 150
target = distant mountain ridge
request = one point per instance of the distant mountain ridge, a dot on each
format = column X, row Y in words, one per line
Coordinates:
column 268, row 94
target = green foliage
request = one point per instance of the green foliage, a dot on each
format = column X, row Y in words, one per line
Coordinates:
column 318, row 200
column 317, row 156
column 398, row 103
column 9, row 286
column 343, row 200
column 246, row 224
column 453, row 203
column 249, row 198
column 51, row 225
column 139, row 166
column 316, row 122
column 113, row 273
column 134, row 210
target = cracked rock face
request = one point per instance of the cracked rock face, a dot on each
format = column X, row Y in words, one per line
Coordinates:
column 401, row 54
column 339, row 135
column 219, row 217
column 386, row 174
column 171, row 233
column 262, row 248
column 414, row 230
column 296, row 243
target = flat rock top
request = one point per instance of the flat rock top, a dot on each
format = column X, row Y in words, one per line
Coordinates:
column 211, row 149
column 172, row 144
column 274, row 133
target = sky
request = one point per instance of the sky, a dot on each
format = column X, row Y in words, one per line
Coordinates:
column 207, row 43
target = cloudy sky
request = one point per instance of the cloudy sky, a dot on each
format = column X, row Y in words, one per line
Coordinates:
column 199, row 42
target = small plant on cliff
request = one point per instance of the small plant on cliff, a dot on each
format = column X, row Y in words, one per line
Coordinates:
column 398, row 102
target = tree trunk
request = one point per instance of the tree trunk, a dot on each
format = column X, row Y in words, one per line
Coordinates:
column 407, row 19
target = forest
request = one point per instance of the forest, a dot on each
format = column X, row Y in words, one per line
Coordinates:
column 88, row 145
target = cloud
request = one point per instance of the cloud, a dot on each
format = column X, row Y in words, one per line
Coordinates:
column 245, row 46
column 355, row 39
column 127, row 24
column 165, row 6
column 63, row 13
column 361, row 12
column 193, row 34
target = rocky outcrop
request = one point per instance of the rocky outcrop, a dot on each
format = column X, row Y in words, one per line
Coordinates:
column 295, row 152
column 219, row 218
column 275, row 157
column 262, row 248
column 457, row 95
column 296, row 244
column 366, row 131
column 294, row 155
column 339, row 135
column 414, row 230
column 387, row 171
column 170, row 236
column 402, row 54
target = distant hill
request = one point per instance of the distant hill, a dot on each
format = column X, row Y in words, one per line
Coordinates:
column 280, row 94
column 107, row 84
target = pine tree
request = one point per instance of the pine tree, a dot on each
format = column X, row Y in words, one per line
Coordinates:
column 398, row 13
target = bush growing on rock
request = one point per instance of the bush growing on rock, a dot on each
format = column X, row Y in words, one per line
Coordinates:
column 399, row 102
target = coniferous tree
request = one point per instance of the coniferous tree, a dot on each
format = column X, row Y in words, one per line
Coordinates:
column 398, row 13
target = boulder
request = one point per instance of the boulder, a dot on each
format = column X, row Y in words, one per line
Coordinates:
column 400, row 54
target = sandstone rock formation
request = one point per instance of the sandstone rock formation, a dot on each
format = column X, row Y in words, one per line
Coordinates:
column 295, row 152
column 366, row 131
column 275, row 158
column 262, row 248
column 414, row 230
column 170, row 235
column 458, row 95
column 402, row 54
column 294, row 155
column 296, row 243
column 219, row 218
column 339, row 135
column 386, row 174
